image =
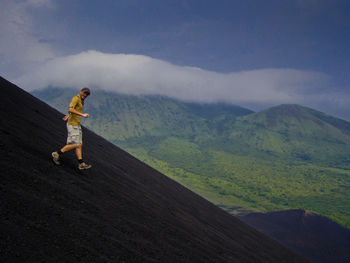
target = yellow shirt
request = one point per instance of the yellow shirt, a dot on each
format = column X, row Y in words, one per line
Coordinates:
column 77, row 104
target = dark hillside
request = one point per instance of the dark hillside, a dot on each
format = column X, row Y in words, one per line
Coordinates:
column 119, row 211
column 314, row 236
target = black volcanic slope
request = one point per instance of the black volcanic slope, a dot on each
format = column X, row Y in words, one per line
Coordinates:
column 316, row 237
column 121, row 210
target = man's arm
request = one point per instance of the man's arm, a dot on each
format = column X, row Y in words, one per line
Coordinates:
column 72, row 110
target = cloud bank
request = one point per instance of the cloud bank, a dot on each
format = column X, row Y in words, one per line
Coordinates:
column 142, row 75
column 29, row 50
column 21, row 44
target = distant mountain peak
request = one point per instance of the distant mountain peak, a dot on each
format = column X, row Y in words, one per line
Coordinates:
column 295, row 114
column 285, row 110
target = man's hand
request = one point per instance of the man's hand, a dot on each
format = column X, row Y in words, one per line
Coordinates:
column 72, row 110
column 65, row 118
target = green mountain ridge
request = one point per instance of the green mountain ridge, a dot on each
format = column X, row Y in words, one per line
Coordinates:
column 295, row 133
column 285, row 157
column 122, row 117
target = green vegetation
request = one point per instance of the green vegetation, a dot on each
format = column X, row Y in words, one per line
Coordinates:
column 283, row 158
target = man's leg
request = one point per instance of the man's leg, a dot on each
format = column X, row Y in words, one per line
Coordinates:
column 74, row 140
column 79, row 154
column 69, row 147
column 56, row 155
column 78, row 151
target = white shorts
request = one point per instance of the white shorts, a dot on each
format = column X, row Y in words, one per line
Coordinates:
column 75, row 135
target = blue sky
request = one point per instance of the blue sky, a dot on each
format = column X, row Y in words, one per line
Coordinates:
column 255, row 54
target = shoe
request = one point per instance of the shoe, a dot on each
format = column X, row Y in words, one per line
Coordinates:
column 84, row 166
column 56, row 158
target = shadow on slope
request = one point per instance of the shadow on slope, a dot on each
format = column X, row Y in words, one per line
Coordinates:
column 121, row 210
column 316, row 237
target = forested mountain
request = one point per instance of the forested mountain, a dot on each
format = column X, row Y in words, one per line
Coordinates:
column 286, row 157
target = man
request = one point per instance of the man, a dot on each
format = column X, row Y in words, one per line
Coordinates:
column 74, row 140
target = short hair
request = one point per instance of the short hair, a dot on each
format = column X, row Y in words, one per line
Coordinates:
column 86, row 90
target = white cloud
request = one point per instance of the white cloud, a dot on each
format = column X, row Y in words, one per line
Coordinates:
column 136, row 74
column 32, row 63
column 20, row 45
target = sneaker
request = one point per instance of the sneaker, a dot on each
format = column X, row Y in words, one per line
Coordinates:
column 56, row 158
column 83, row 166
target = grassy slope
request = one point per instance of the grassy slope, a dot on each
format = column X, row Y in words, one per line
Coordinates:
column 285, row 157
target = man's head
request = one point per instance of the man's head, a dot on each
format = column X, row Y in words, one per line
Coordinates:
column 84, row 92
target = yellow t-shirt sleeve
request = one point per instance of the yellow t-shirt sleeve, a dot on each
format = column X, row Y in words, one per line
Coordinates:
column 74, row 102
